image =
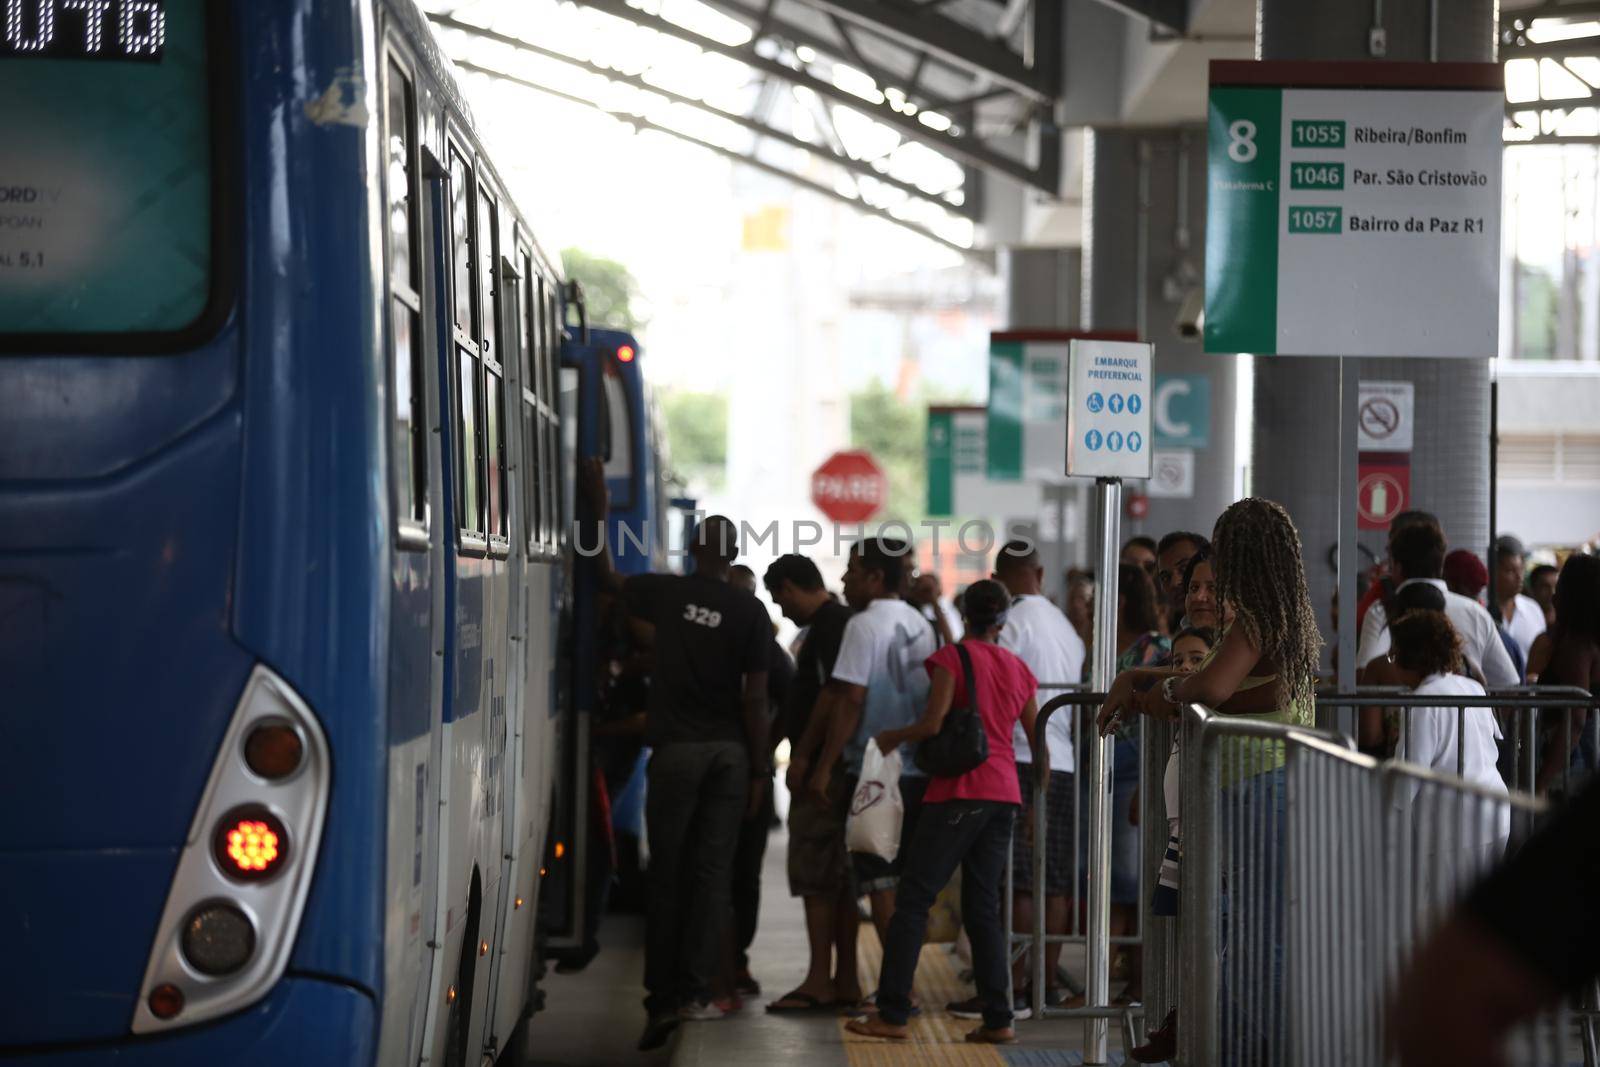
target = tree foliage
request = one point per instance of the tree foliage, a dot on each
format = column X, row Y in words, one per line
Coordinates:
column 697, row 435
column 609, row 289
column 1539, row 315
column 894, row 431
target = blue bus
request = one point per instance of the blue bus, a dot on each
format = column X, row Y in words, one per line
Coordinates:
column 608, row 413
column 283, row 501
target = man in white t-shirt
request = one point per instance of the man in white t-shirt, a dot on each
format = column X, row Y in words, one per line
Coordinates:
column 1040, row 635
column 879, row 683
column 1520, row 615
column 1418, row 553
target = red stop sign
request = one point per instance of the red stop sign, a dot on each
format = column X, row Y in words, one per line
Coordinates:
column 849, row 487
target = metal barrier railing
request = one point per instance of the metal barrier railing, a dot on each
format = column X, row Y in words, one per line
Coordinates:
column 1520, row 708
column 1310, row 871
column 1351, row 829
column 1073, row 696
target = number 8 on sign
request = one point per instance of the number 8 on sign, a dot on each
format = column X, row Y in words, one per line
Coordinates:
column 1242, row 141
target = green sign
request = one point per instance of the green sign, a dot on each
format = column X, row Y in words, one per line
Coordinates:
column 1316, row 219
column 941, row 462
column 1245, row 127
column 1316, row 175
column 958, row 482
column 1005, row 410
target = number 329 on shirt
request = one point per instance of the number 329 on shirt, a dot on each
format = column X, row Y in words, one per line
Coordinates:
column 702, row 616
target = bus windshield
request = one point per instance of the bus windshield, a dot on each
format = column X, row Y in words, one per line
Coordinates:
column 105, row 179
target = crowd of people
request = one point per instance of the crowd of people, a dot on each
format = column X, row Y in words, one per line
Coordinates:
column 1224, row 621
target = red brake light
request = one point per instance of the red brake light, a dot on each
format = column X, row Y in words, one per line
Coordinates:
column 625, row 354
column 251, row 844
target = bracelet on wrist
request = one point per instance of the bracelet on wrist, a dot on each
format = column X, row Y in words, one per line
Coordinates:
column 1169, row 689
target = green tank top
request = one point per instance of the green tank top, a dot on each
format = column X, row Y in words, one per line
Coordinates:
column 1246, row 757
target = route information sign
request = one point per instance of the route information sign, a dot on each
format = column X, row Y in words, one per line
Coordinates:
column 1353, row 209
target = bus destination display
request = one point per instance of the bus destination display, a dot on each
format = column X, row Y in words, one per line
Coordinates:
column 107, row 30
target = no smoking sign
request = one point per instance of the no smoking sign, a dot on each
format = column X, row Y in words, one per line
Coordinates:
column 1385, row 420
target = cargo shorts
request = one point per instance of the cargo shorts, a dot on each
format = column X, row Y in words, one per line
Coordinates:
column 818, row 863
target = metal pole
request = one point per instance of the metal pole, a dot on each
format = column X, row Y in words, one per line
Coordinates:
column 1041, row 854
column 1100, row 754
column 1349, row 467
column 1494, row 458
column 1141, row 270
column 1060, row 572
column 1201, row 1030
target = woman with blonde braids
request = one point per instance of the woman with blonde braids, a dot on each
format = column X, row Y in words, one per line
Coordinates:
column 1263, row 667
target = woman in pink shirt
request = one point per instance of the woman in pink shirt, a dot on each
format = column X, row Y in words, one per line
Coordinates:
column 965, row 821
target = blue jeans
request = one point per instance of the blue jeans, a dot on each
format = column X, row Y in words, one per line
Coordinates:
column 976, row 834
column 1254, row 888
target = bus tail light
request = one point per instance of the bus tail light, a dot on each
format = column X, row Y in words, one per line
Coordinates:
column 218, row 940
column 274, row 750
column 166, row 1001
column 234, row 906
column 251, row 844
column 626, row 353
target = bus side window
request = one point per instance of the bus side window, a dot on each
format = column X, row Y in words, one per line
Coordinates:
column 568, row 438
column 409, row 437
column 552, row 486
column 494, row 405
column 541, row 353
column 468, row 425
column 528, row 410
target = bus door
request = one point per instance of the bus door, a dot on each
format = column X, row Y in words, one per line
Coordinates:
column 564, row 891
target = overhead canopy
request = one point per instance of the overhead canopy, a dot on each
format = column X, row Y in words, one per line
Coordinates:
column 898, row 109
column 1551, row 52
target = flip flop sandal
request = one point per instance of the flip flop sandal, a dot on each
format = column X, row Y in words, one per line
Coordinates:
column 801, row 1004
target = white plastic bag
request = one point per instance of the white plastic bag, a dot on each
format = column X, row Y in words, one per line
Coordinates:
column 876, row 809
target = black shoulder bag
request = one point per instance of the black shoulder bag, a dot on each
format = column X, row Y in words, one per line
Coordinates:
column 961, row 744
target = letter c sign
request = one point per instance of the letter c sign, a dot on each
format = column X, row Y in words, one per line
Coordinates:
column 1181, row 410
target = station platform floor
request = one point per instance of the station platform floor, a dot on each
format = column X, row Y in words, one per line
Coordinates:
column 593, row 1018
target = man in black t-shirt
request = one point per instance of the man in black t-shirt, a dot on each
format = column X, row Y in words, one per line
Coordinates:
column 819, row 866
column 707, row 724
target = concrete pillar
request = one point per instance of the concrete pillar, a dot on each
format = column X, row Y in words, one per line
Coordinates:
column 1139, row 264
column 1043, row 287
column 1296, row 429
column 1043, row 292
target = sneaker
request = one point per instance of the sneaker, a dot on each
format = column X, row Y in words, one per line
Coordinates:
column 701, row 1011
column 657, row 1031
column 972, row 1008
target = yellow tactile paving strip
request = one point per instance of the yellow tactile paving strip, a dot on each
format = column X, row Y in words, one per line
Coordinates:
column 936, row 1038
